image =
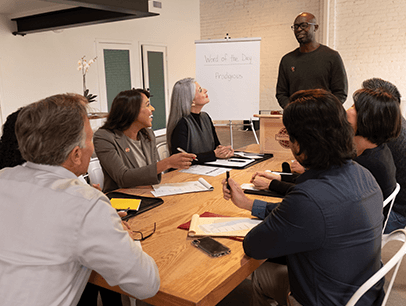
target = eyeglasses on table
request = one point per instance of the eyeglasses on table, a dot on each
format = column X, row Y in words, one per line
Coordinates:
column 139, row 236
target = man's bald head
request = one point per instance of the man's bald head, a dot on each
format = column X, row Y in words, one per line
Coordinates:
column 309, row 17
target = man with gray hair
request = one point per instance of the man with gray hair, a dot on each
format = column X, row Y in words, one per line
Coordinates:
column 54, row 229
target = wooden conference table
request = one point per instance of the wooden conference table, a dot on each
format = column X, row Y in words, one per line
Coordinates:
column 189, row 276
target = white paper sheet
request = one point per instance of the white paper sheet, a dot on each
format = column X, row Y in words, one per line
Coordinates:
column 229, row 226
column 204, row 170
column 232, row 162
column 179, row 188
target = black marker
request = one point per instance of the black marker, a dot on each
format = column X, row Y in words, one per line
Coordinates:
column 228, row 176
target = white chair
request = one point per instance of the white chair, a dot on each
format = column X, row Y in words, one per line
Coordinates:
column 82, row 179
column 395, row 260
column 163, row 151
column 95, row 172
column 389, row 201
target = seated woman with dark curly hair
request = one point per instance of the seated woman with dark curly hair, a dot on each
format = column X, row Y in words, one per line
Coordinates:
column 126, row 146
column 10, row 155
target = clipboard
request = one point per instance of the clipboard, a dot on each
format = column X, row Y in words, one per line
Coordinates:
column 221, row 226
column 242, row 163
column 147, row 203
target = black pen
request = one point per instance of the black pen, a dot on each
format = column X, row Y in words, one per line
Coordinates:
column 227, row 177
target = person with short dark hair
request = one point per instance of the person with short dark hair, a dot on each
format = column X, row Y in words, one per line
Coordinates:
column 126, row 146
column 10, row 155
column 397, row 217
column 376, row 119
column 329, row 226
column 55, row 229
column 311, row 65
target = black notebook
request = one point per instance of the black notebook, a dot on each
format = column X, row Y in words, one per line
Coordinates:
column 147, row 203
column 267, row 193
column 239, row 162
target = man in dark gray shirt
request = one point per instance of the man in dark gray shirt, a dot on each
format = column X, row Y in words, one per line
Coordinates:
column 310, row 66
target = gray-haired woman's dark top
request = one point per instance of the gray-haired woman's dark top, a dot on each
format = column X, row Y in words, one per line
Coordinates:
column 196, row 134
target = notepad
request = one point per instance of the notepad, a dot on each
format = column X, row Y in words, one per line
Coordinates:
column 228, row 226
column 231, row 162
column 204, row 170
column 178, row 188
column 118, row 204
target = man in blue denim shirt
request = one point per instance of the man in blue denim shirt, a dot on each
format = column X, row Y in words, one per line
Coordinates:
column 328, row 227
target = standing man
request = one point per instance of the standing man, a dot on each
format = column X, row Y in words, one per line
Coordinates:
column 310, row 66
column 54, row 229
column 329, row 227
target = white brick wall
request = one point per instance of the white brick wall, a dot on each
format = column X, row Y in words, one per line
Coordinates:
column 268, row 19
column 369, row 34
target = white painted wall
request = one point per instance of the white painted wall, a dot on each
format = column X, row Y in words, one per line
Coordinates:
column 268, row 19
column 369, row 35
column 42, row 64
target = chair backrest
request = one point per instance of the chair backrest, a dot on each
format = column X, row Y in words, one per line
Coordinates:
column 394, row 261
column 95, row 172
column 389, row 201
column 82, row 179
column 163, row 151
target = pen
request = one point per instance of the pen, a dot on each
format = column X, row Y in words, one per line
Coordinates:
column 236, row 160
column 227, row 177
column 183, row 151
column 125, row 210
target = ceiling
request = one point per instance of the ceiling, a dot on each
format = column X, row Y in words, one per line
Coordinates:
column 20, row 8
column 37, row 16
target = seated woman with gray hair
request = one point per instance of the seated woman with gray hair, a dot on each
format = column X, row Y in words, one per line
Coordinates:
column 189, row 128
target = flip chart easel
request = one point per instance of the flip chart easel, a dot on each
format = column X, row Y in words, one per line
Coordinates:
column 229, row 70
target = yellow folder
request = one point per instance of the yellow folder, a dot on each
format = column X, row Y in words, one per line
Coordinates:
column 134, row 204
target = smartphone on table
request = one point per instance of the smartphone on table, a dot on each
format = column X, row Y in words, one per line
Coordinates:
column 211, row 247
